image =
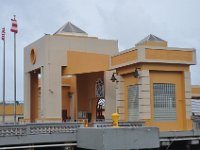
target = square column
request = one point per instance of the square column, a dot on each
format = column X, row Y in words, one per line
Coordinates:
column 144, row 95
column 120, row 98
column 51, row 93
column 188, row 95
column 110, row 95
column 27, row 98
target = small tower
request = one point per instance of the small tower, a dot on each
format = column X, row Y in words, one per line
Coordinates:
column 60, row 72
column 154, row 84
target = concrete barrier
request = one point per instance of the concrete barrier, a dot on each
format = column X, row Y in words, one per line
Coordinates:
column 118, row 138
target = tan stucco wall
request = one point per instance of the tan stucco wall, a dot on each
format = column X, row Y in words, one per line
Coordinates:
column 196, row 91
column 9, row 112
column 9, row 109
column 124, row 57
column 169, row 55
column 152, row 66
column 110, row 95
column 154, row 54
column 176, row 78
column 82, row 62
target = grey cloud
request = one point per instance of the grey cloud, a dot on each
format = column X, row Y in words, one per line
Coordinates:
column 127, row 21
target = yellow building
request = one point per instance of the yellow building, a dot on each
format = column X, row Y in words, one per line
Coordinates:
column 9, row 112
column 67, row 73
column 196, row 92
column 154, row 84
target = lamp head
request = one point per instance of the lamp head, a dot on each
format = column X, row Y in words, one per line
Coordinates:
column 113, row 78
column 135, row 73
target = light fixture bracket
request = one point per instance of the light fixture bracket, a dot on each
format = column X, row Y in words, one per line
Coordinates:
column 113, row 78
column 136, row 73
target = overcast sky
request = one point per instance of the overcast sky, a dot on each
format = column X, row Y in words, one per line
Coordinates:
column 128, row 21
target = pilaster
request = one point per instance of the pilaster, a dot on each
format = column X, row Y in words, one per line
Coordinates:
column 188, row 95
column 120, row 104
column 144, row 95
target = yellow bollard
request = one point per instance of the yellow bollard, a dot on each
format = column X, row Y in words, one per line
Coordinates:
column 85, row 123
column 115, row 118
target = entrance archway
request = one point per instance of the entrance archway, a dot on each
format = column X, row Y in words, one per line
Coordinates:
column 87, row 95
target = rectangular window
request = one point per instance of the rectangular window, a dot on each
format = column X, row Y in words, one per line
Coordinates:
column 164, row 101
column 133, row 103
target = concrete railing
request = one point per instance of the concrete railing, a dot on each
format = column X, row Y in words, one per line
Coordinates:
column 38, row 128
column 54, row 128
column 121, row 124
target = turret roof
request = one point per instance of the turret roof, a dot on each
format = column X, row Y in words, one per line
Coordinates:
column 70, row 29
column 150, row 37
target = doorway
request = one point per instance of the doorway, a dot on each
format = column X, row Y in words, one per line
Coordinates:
column 35, row 95
column 87, row 95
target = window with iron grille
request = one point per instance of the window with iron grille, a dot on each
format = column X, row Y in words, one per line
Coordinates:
column 164, row 101
column 133, row 103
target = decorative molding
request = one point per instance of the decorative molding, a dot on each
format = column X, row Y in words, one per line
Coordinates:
column 195, row 95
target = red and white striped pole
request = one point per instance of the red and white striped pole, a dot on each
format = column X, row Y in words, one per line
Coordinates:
column 3, row 33
column 14, row 30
